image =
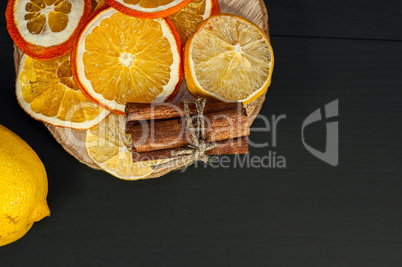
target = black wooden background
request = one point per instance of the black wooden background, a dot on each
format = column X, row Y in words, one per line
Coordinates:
column 309, row 214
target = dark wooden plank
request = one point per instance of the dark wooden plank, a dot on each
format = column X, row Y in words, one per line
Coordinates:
column 310, row 214
column 369, row 19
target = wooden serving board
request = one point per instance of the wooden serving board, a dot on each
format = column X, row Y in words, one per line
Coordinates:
column 73, row 140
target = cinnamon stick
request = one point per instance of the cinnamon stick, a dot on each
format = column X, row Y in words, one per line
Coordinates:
column 173, row 133
column 155, row 111
column 224, row 147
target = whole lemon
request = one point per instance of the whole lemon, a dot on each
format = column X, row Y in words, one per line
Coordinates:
column 23, row 187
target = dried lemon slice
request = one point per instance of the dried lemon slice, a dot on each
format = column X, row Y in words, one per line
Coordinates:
column 110, row 148
column 228, row 59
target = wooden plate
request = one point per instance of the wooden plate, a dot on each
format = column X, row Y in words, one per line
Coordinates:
column 73, row 140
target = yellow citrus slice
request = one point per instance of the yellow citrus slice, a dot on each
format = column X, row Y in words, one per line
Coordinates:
column 45, row 29
column 46, row 90
column 119, row 58
column 189, row 18
column 110, row 148
column 150, row 9
column 228, row 59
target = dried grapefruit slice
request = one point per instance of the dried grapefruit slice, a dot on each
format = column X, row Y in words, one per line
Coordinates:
column 110, row 148
column 45, row 29
column 189, row 18
column 228, row 59
column 46, row 91
column 150, row 9
column 119, row 58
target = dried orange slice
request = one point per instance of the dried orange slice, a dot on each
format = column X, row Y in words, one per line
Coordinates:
column 228, row 59
column 189, row 18
column 45, row 29
column 100, row 4
column 45, row 90
column 119, row 58
column 110, row 148
column 150, row 9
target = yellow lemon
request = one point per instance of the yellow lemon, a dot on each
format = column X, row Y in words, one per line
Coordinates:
column 23, row 187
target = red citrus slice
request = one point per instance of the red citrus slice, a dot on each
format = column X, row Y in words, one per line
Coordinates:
column 150, row 9
column 45, row 29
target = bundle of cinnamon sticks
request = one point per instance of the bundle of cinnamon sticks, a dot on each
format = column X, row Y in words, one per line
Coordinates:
column 167, row 130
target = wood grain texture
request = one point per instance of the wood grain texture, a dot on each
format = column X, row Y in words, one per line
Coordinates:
column 343, row 19
column 73, row 140
column 310, row 214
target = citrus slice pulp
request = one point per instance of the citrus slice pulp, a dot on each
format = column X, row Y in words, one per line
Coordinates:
column 110, row 148
column 45, row 29
column 150, row 9
column 119, row 58
column 187, row 19
column 46, row 90
column 228, row 59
